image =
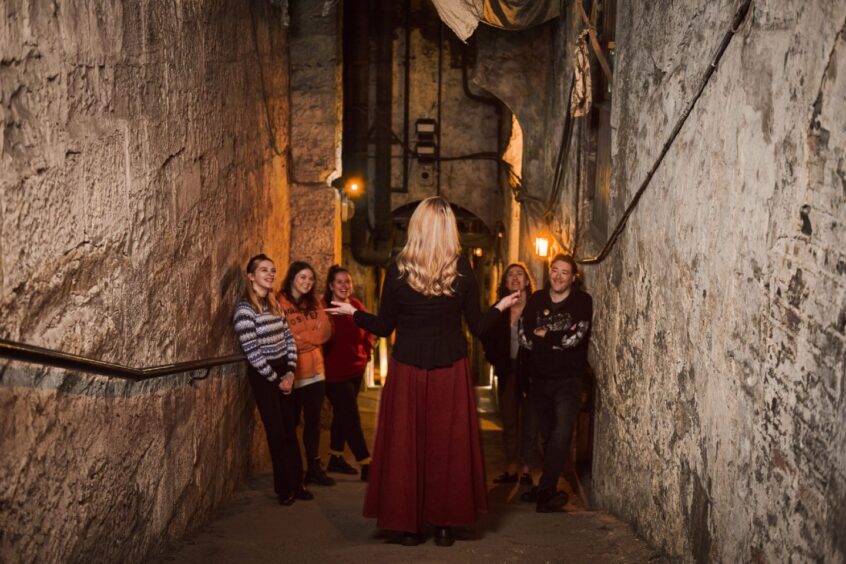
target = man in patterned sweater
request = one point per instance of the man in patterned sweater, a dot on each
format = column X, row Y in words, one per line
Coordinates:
column 556, row 327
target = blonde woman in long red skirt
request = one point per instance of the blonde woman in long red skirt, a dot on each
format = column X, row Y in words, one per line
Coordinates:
column 427, row 465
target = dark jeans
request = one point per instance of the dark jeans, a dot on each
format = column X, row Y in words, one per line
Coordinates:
column 519, row 424
column 346, row 421
column 557, row 404
column 309, row 400
column 279, row 415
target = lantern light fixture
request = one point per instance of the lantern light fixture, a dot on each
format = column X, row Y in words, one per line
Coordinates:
column 542, row 247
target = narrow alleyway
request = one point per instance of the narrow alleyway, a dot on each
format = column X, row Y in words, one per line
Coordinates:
column 252, row 528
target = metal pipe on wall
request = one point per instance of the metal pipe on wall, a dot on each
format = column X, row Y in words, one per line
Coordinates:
column 369, row 247
column 382, row 116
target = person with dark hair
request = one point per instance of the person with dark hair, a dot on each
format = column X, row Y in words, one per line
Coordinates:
column 427, row 460
column 346, row 355
column 311, row 328
column 503, row 351
column 271, row 354
column 556, row 327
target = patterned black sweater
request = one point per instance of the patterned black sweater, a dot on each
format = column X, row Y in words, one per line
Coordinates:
column 562, row 351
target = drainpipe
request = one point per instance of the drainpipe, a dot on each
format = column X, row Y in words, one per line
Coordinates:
column 369, row 247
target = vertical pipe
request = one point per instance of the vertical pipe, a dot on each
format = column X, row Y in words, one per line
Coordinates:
column 406, row 96
column 438, row 125
column 356, row 71
column 383, row 113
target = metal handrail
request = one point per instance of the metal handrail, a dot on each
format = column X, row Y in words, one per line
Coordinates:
column 37, row 355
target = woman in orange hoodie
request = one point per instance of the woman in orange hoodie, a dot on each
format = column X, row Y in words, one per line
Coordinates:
column 311, row 328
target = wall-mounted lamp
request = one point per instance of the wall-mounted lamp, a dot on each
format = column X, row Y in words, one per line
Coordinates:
column 354, row 187
column 478, row 251
column 542, row 247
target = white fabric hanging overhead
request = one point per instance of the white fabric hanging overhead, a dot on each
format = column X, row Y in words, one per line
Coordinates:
column 463, row 16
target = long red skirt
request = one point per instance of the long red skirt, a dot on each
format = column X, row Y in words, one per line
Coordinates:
column 427, row 461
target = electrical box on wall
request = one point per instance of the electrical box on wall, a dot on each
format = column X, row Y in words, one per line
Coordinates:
column 426, row 148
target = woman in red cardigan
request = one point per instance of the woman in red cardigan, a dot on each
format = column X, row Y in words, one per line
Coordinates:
column 345, row 356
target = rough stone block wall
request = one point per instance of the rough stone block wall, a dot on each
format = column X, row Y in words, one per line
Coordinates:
column 316, row 107
column 720, row 317
column 137, row 174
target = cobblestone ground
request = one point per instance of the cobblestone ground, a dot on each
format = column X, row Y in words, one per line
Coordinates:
column 252, row 528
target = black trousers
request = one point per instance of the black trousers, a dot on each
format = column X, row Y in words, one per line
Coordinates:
column 346, row 421
column 557, row 404
column 279, row 415
column 309, row 401
column 519, row 424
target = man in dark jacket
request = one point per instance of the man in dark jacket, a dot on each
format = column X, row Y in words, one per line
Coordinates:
column 556, row 327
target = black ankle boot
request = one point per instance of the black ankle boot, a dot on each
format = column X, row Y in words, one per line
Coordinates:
column 409, row 539
column 444, row 536
column 286, row 499
column 339, row 465
column 316, row 475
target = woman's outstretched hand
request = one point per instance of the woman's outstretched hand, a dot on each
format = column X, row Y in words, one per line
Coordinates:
column 341, row 308
column 508, row 301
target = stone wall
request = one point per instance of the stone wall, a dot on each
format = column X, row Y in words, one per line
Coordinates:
column 720, row 315
column 719, row 322
column 142, row 160
column 317, row 105
column 467, row 126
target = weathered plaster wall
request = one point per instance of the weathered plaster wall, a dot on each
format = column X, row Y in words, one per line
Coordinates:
column 136, row 177
column 720, row 317
column 719, row 324
column 529, row 70
column 316, row 127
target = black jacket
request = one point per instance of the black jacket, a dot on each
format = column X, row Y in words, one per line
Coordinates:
column 429, row 332
column 497, row 345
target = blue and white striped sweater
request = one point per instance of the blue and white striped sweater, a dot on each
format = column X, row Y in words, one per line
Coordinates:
column 264, row 337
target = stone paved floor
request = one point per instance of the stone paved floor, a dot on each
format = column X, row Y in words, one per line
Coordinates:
column 252, row 528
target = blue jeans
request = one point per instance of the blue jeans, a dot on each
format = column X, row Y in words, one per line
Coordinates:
column 556, row 404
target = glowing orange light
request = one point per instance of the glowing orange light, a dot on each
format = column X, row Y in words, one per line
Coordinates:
column 354, row 187
column 478, row 251
column 542, row 247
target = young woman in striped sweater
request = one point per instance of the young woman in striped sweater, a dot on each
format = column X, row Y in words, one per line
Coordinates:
column 272, row 359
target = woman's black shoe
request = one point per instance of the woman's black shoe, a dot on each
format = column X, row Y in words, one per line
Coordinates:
column 505, row 478
column 339, row 465
column 526, row 479
column 286, row 499
column 365, row 472
column 444, row 536
column 303, row 494
column 410, row 539
column 551, row 503
column 530, row 496
column 318, row 476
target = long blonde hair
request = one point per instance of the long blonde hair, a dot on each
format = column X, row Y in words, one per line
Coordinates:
column 257, row 302
column 429, row 260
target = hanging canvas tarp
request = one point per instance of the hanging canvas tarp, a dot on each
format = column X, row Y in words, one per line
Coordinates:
column 463, row 16
column 519, row 14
